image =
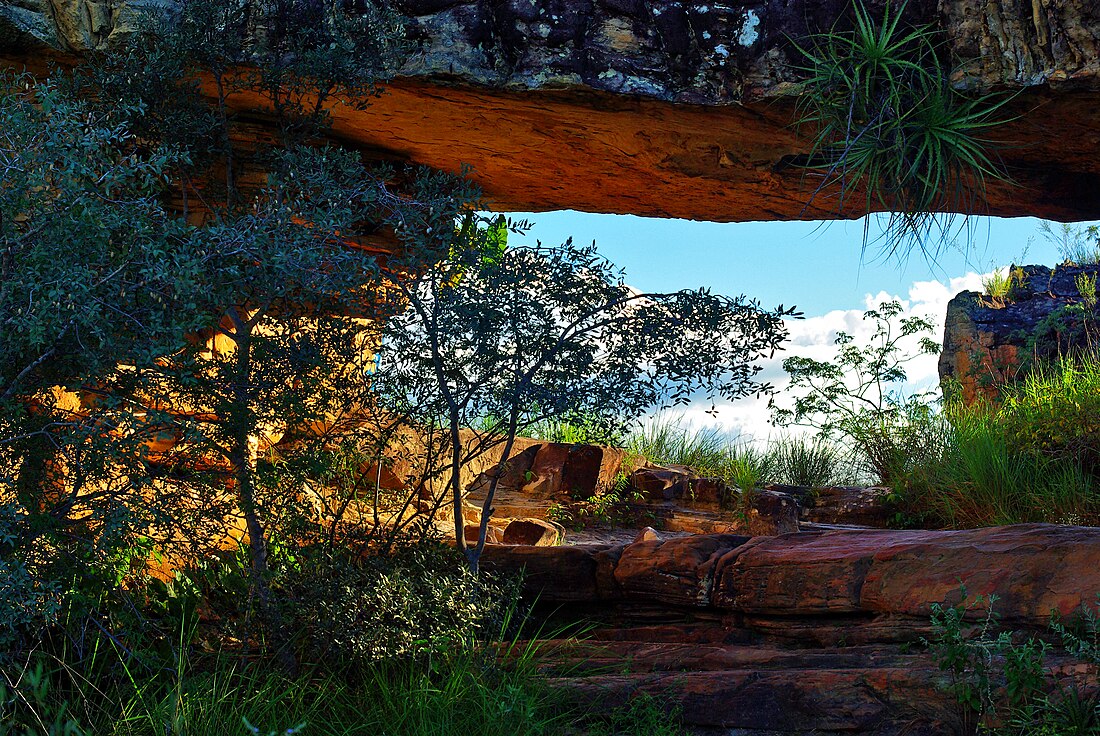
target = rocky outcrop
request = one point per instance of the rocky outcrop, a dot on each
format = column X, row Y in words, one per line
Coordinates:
column 989, row 341
column 667, row 108
column 798, row 633
column 881, row 583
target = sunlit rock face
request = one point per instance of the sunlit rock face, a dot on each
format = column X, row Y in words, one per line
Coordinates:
column 669, row 108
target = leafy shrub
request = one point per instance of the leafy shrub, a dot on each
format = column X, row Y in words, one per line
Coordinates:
column 981, row 478
column 1070, row 331
column 1054, row 412
column 999, row 677
column 642, row 714
column 857, row 398
column 418, row 600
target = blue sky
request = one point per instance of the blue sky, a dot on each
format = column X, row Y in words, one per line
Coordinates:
column 817, row 266
column 820, row 267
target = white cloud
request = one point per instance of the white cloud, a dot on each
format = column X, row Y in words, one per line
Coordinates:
column 814, row 337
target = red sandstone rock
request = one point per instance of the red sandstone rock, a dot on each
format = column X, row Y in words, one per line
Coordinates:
column 1034, row 568
column 550, row 470
column 493, row 535
column 853, row 505
column 559, row 574
column 533, row 532
column 686, row 112
column 676, row 571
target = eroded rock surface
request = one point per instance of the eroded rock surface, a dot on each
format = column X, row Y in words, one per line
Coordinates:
column 799, row 633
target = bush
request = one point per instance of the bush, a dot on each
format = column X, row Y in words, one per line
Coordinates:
column 1000, row 679
column 857, row 396
column 1055, row 412
column 416, row 601
column 984, row 476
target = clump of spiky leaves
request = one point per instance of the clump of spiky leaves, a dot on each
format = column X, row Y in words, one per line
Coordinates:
column 890, row 127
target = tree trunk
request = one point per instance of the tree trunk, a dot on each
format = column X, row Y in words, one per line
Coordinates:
column 243, row 463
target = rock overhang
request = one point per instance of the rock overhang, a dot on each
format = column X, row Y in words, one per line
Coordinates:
column 669, row 109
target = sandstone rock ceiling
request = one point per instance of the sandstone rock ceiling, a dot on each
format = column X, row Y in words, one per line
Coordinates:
column 665, row 108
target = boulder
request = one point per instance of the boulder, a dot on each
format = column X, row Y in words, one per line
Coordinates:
column 848, row 505
column 679, row 484
column 800, row 633
column 493, row 535
column 554, row 470
column 674, row 571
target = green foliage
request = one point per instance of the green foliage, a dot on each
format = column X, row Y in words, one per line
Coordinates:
column 577, row 430
column 1004, row 283
column 27, row 706
column 545, row 332
column 642, row 714
column 264, row 305
column 1052, row 412
column 813, row 462
column 490, row 687
column 1000, row 678
column 1080, row 634
column 1071, row 330
column 665, row 440
column 1086, row 289
column 95, row 272
column 855, row 395
column 981, row 478
column 816, row 462
column 416, row 602
column 889, row 125
column 1077, row 244
column 968, row 658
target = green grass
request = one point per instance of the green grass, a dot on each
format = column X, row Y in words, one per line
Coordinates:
column 710, row 452
column 998, row 283
column 472, row 692
column 462, row 696
column 1034, row 457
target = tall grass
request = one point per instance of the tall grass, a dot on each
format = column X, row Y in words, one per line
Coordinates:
column 815, row 462
column 463, row 695
column 1032, row 458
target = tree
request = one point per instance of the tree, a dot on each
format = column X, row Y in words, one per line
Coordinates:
column 198, row 293
column 500, row 341
column 857, row 393
column 94, row 271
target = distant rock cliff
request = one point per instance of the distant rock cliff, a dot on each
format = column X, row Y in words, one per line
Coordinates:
column 988, row 341
column 666, row 108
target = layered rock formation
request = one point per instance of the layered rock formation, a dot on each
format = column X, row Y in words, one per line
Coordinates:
column 665, row 108
column 988, row 340
column 799, row 633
